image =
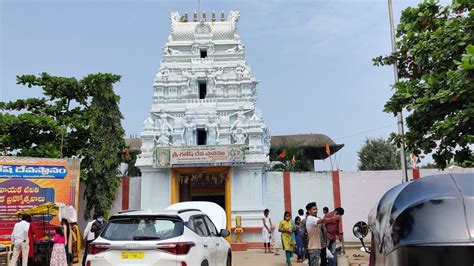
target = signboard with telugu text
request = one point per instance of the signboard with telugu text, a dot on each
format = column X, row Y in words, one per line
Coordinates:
column 190, row 156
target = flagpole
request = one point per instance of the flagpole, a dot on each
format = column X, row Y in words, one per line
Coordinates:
column 332, row 168
column 328, row 152
column 399, row 113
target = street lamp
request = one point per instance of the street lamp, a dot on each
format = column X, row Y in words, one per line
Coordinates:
column 399, row 113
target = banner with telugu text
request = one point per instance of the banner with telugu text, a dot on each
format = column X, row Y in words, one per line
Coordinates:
column 26, row 182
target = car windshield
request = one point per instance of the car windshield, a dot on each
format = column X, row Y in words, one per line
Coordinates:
column 142, row 228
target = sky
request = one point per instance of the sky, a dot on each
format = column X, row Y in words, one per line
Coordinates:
column 313, row 58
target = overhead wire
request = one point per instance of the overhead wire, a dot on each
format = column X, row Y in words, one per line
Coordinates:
column 338, row 163
column 368, row 131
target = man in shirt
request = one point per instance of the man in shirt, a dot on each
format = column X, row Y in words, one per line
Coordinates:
column 20, row 241
column 332, row 220
column 314, row 234
column 325, row 210
column 98, row 225
column 89, row 236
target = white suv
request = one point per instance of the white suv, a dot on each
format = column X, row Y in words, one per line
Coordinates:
column 185, row 234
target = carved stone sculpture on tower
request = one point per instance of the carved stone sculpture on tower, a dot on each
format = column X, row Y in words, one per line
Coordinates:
column 187, row 134
column 148, row 124
column 164, row 125
column 162, row 73
column 163, row 139
column 147, row 136
column 240, row 120
column 266, row 140
column 192, row 82
column 234, row 18
column 239, row 136
column 212, row 131
column 211, row 48
column 236, row 49
column 257, row 115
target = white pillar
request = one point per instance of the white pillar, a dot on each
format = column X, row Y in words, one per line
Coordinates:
column 155, row 188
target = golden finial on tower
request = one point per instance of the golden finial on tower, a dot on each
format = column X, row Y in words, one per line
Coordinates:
column 213, row 16
column 222, row 16
column 186, row 16
column 195, row 16
column 204, row 16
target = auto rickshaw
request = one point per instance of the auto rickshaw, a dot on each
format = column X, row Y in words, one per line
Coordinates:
column 429, row 222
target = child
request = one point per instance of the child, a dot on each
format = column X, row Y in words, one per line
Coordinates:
column 267, row 230
column 58, row 256
column 299, row 240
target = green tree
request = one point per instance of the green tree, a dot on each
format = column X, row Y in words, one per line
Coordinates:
column 131, row 160
column 290, row 159
column 73, row 118
column 435, row 61
column 378, row 154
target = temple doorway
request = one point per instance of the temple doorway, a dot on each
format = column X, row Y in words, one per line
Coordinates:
column 203, row 184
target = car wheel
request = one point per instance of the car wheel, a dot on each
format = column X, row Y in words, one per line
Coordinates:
column 205, row 263
column 229, row 260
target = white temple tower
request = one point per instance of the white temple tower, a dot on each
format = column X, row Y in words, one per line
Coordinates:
column 204, row 138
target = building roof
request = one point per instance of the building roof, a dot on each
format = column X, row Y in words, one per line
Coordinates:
column 314, row 145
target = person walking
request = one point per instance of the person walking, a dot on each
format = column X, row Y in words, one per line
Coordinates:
column 89, row 237
column 287, row 228
column 299, row 240
column 20, row 241
column 267, row 230
column 76, row 242
column 314, row 234
column 68, row 244
column 332, row 219
column 58, row 256
column 31, row 241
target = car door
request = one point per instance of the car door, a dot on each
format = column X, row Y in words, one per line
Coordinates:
column 207, row 243
column 221, row 251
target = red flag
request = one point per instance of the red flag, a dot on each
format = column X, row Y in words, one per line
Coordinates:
column 282, row 154
column 328, row 150
column 127, row 154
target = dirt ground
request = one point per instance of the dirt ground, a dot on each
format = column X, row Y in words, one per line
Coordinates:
column 254, row 257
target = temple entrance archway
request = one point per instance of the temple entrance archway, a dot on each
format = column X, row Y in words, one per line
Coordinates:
column 203, row 184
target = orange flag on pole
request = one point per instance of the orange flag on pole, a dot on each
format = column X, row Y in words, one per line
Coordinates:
column 127, row 154
column 328, row 150
column 282, row 154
